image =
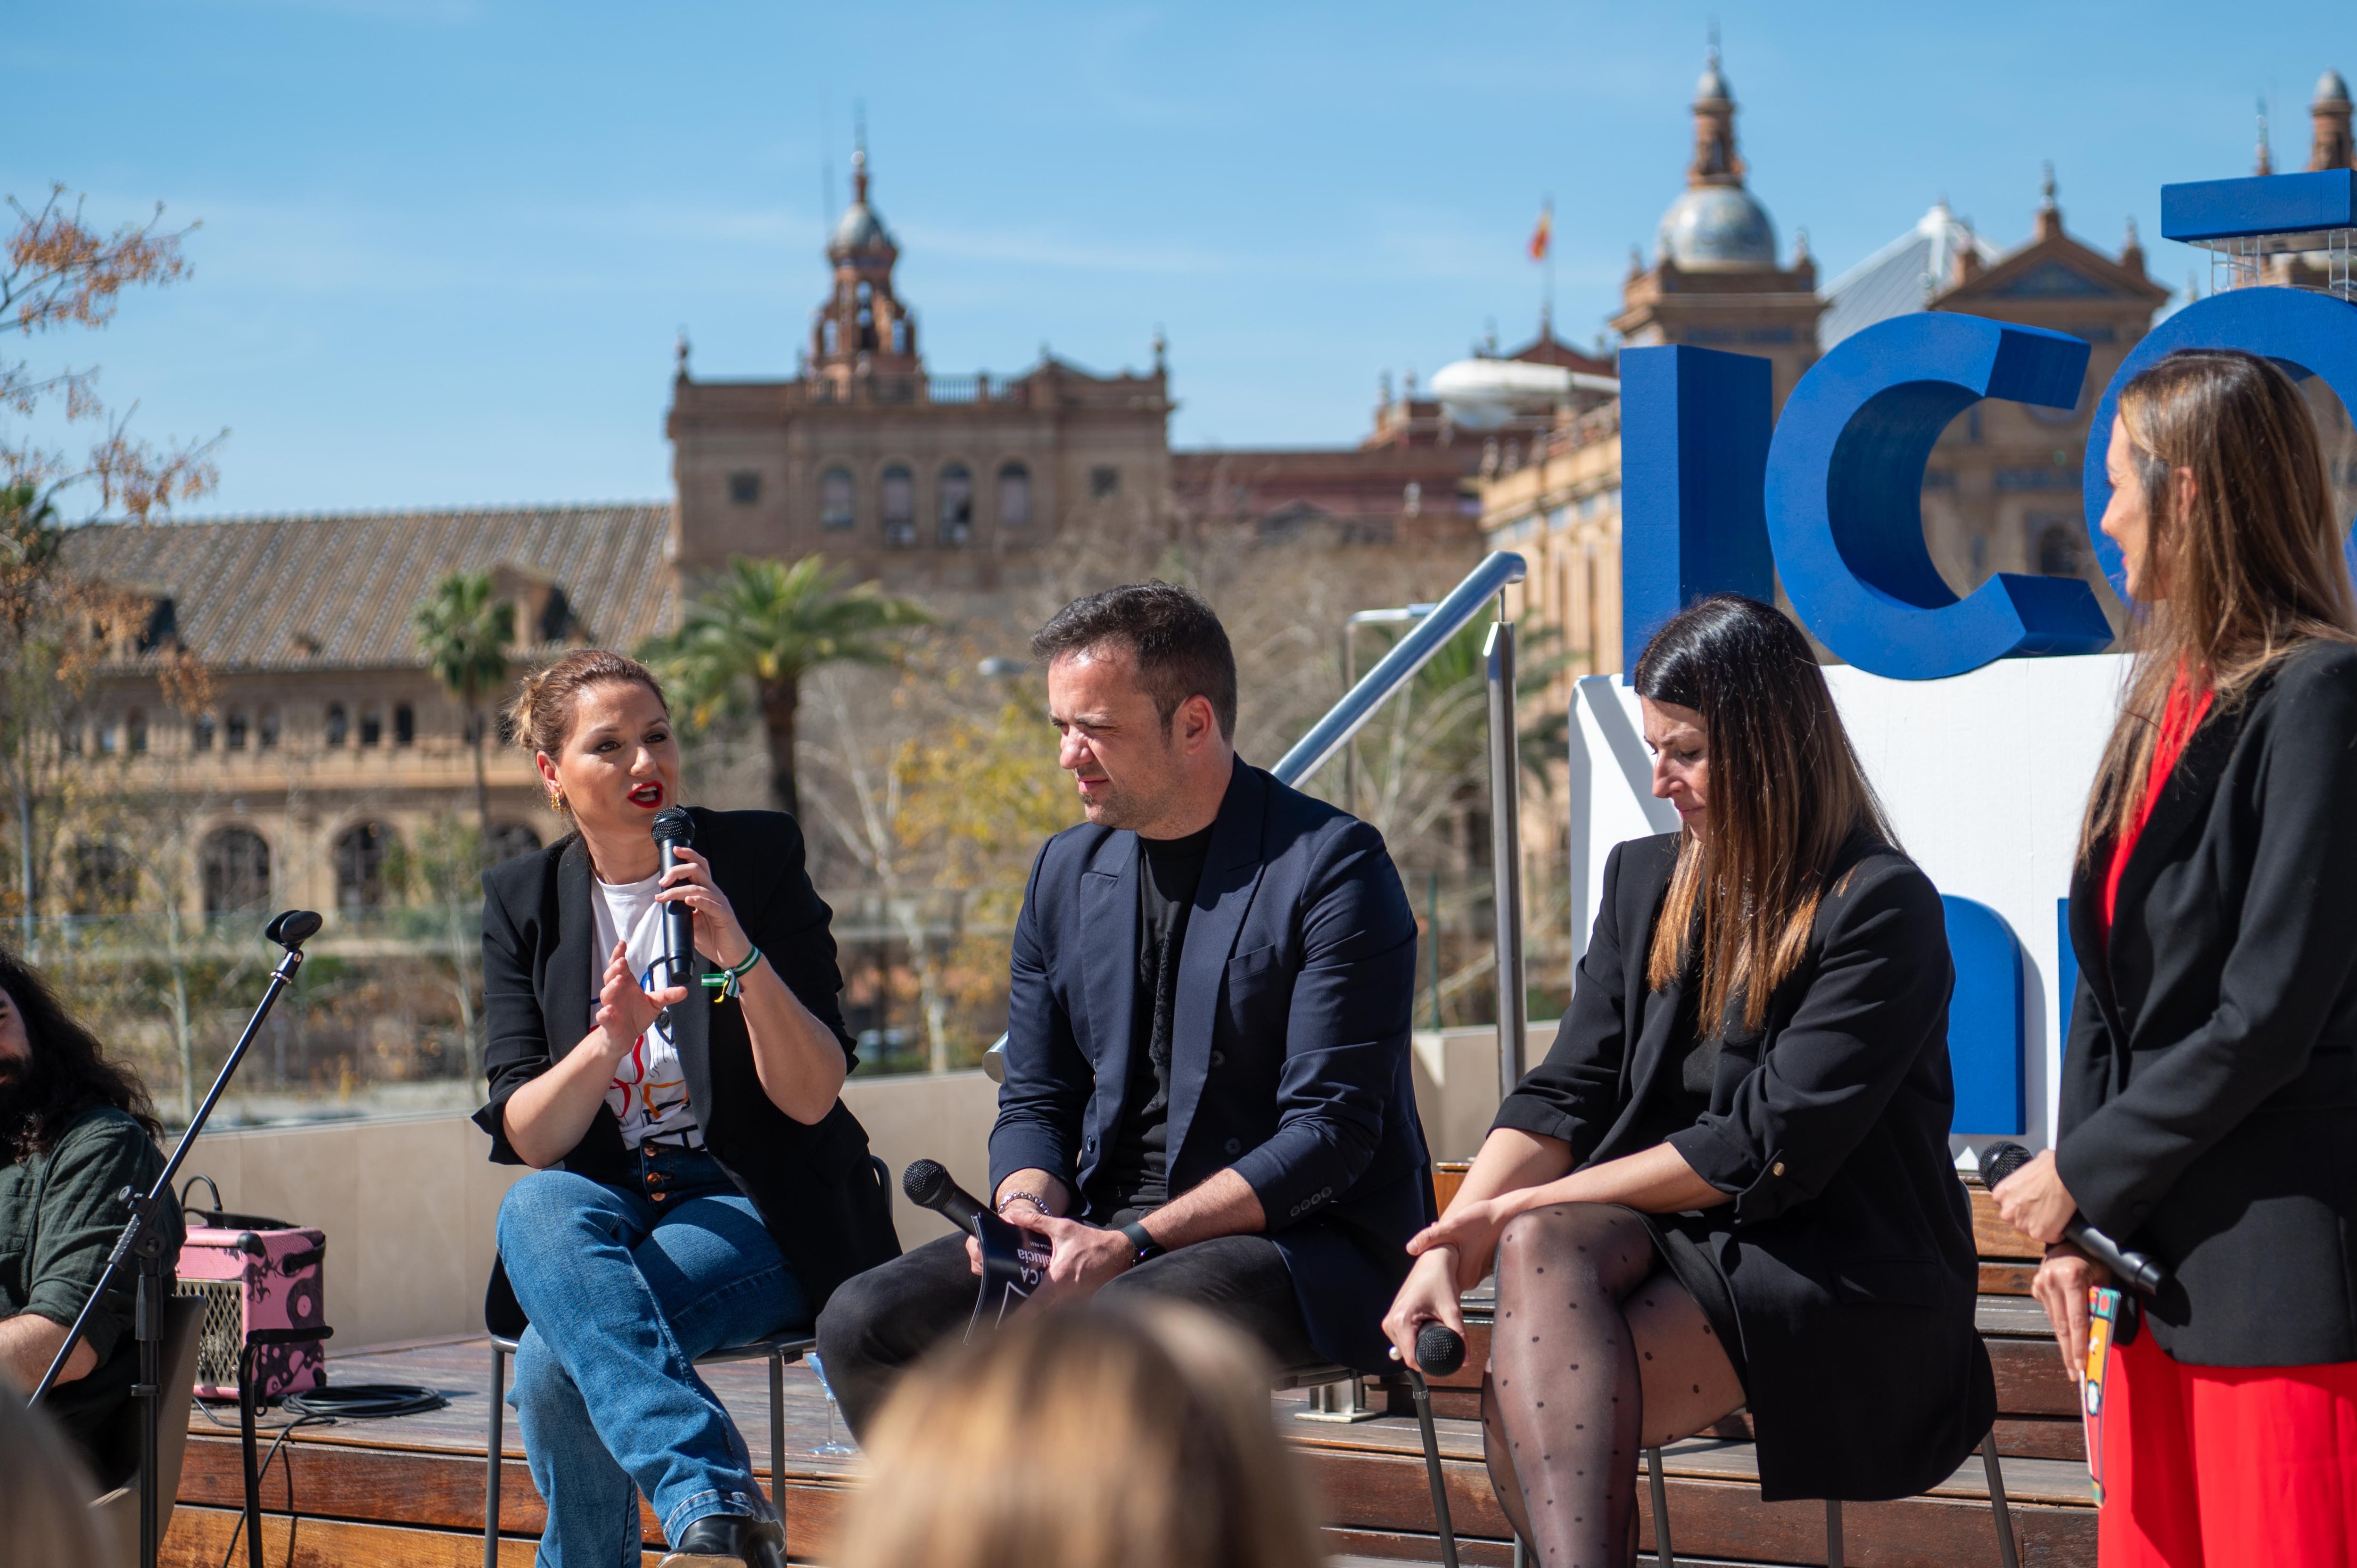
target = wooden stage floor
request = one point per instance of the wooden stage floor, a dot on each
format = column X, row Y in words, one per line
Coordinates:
column 410, row 1491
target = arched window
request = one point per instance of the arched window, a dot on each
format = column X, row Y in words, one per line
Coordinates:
column 899, row 495
column 1014, row 495
column 371, row 727
column 510, row 840
column 201, row 731
column 900, row 334
column 838, row 501
column 135, row 729
column 102, row 732
column 830, row 336
column 360, row 865
column 233, row 733
column 339, row 726
column 236, row 868
column 266, row 729
column 957, row 504
column 405, row 724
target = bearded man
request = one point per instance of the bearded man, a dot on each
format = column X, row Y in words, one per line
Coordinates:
column 1207, row 1096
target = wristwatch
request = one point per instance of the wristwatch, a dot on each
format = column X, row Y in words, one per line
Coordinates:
column 1146, row 1246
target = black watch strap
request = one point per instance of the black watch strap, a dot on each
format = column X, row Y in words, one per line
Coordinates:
column 1144, row 1245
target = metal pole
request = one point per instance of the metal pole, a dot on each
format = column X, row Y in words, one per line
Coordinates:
column 1350, row 746
column 1506, row 851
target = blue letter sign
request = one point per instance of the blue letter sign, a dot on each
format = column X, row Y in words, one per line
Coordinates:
column 1845, row 482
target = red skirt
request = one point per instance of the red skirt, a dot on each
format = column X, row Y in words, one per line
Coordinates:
column 2219, row 1466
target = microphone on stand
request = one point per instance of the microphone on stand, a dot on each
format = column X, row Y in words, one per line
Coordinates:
column 2134, row 1269
column 673, row 830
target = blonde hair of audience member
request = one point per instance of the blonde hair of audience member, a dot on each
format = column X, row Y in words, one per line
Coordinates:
column 45, row 1515
column 1086, row 1437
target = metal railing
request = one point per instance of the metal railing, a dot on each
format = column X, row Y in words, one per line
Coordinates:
column 1435, row 624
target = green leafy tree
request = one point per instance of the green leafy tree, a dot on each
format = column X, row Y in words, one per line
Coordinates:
column 746, row 641
column 465, row 631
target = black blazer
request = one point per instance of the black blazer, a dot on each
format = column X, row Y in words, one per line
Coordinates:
column 1848, row 1248
column 2210, row 1086
column 814, row 1186
column 1288, row 1053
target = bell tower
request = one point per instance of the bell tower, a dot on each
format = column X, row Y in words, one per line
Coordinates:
column 863, row 328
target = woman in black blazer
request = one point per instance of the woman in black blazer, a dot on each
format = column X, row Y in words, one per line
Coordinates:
column 698, row 1181
column 1729, row 1181
column 2209, row 1104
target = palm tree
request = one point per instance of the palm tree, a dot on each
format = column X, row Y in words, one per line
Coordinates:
column 464, row 632
column 759, row 631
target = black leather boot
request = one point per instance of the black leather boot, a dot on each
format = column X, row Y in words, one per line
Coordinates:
column 729, row 1539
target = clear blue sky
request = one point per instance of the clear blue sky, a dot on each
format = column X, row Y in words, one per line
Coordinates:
column 447, row 244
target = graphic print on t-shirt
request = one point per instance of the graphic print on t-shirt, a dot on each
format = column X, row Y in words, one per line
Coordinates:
column 648, row 1094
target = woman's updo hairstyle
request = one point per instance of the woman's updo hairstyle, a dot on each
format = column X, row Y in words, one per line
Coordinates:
column 541, row 715
column 1786, row 795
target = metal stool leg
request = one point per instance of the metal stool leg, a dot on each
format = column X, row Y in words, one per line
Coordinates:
column 497, row 1460
column 2006, row 1551
column 1832, row 1533
column 778, row 1435
column 1660, row 1510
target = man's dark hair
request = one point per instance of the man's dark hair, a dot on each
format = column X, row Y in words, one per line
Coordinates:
column 1180, row 646
column 69, row 1072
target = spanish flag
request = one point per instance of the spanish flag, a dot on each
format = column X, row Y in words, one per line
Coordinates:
column 1543, row 235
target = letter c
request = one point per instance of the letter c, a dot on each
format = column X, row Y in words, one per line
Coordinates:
column 1844, row 478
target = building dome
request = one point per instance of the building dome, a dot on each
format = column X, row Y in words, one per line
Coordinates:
column 859, row 231
column 2331, row 88
column 1717, row 228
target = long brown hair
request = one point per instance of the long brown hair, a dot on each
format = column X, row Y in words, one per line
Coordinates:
column 71, row 1072
column 1786, row 793
column 2252, row 565
column 1091, row 1436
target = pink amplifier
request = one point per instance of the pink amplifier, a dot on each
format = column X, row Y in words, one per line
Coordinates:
column 250, row 1280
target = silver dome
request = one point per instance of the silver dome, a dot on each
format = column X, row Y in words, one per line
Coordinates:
column 1717, row 228
column 859, row 229
column 2331, row 88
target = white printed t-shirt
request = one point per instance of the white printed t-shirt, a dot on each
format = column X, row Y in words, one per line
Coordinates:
column 649, row 1091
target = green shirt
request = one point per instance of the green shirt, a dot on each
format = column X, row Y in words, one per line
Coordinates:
column 58, row 1218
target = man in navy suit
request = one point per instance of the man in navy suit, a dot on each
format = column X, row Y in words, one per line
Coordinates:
column 1207, row 1095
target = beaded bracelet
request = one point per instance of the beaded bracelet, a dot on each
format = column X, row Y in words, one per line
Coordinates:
column 731, row 982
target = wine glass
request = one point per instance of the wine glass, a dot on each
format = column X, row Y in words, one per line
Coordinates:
column 833, row 1448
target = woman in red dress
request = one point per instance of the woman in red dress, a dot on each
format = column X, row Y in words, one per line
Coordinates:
column 2209, row 1103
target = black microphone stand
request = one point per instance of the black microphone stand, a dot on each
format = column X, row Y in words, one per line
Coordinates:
column 141, row 1240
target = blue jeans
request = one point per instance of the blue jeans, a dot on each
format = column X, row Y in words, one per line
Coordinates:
column 625, row 1285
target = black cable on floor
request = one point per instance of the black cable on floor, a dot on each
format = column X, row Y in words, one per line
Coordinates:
column 364, row 1401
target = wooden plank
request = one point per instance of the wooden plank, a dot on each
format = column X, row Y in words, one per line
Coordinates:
column 1402, row 1546
column 441, row 1490
column 201, row 1538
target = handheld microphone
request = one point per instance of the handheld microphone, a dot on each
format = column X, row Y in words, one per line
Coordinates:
column 929, row 1186
column 1014, row 1261
column 1439, row 1351
column 672, row 827
column 2134, row 1269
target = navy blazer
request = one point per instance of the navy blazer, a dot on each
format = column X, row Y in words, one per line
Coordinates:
column 1289, row 1051
column 2209, row 1086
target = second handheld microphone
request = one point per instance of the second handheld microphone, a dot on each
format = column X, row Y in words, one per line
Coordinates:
column 2134, row 1269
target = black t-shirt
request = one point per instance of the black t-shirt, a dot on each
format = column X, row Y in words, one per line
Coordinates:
column 1138, row 1166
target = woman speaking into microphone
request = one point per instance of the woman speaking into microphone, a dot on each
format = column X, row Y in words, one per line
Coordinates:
column 2209, row 1103
column 697, row 1181
column 1730, row 1182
